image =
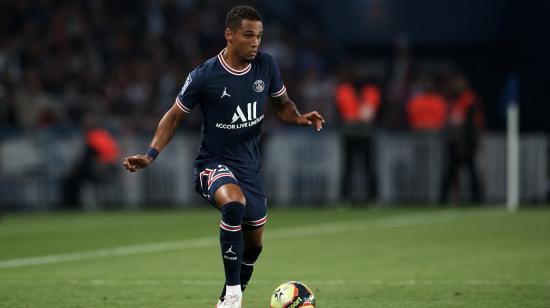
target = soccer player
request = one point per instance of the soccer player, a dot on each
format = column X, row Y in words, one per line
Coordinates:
column 232, row 89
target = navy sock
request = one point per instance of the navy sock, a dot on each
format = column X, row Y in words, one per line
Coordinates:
column 231, row 241
column 250, row 256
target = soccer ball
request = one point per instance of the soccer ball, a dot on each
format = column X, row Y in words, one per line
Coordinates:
column 292, row 294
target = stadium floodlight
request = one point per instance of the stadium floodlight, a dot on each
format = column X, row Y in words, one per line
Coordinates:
column 512, row 144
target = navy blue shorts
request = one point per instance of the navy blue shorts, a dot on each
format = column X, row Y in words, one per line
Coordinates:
column 208, row 177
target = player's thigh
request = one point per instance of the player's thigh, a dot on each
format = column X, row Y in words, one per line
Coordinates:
column 255, row 213
column 253, row 238
column 216, row 183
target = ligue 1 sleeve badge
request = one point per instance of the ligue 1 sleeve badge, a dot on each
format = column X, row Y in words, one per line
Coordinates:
column 259, row 85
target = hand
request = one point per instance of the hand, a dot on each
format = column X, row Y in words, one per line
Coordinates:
column 135, row 162
column 312, row 119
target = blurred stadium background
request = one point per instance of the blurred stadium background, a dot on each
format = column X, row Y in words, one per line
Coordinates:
column 119, row 65
column 406, row 184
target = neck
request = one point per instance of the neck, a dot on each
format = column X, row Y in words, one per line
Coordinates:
column 233, row 60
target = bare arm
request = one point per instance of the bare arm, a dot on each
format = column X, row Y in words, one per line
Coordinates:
column 167, row 127
column 286, row 111
column 165, row 131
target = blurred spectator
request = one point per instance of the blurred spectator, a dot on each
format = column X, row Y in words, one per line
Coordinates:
column 315, row 93
column 36, row 108
column 98, row 164
column 398, row 88
column 427, row 108
column 465, row 121
column 8, row 121
column 358, row 104
column 126, row 60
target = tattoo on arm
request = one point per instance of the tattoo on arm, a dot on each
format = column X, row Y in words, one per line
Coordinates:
column 285, row 108
column 279, row 100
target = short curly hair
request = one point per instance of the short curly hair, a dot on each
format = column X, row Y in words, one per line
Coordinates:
column 236, row 15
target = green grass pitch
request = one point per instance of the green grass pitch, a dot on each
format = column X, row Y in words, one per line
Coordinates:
column 349, row 257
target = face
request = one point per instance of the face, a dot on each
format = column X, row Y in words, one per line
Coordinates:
column 246, row 39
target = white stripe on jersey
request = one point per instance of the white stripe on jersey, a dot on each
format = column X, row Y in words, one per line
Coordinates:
column 279, row 93
column 182, row 107
column 232, row 70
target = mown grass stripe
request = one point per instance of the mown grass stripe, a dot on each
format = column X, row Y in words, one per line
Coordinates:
column 405, row 220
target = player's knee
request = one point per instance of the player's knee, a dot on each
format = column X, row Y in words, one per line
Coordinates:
column 250, row 255
column 230, row 193
column 232, row 214
column 235, row 199
column 240, row 199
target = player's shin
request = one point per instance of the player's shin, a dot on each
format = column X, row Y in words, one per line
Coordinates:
column 232, row 242
column 250, row 256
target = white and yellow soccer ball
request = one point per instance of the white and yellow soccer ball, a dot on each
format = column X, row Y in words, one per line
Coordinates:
column 292, row 294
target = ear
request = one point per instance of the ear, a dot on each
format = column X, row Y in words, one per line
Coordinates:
column 228, row 35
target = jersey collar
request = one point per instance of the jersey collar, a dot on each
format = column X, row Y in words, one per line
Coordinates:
column 232, row 70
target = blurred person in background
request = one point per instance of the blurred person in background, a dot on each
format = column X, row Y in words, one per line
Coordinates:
column 316, row 92
column 399, row 85
column 232, row 89
column 464, row 124
column 358, row 102
column 36, row 108
column 427, row 108
column 8, row 120
column 98, row 163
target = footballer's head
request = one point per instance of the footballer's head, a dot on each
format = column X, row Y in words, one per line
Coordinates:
column 243, row 31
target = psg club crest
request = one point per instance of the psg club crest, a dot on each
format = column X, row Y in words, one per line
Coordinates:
column 259, row 85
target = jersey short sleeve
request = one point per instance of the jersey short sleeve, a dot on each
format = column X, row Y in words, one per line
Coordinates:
column 277, row 86
column 189, row 95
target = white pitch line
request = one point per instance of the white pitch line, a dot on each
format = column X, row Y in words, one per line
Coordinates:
column 330, row 282
column 406, row 220
column 111, row 252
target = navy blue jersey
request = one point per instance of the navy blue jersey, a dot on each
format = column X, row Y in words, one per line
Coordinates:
column 233, row 104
